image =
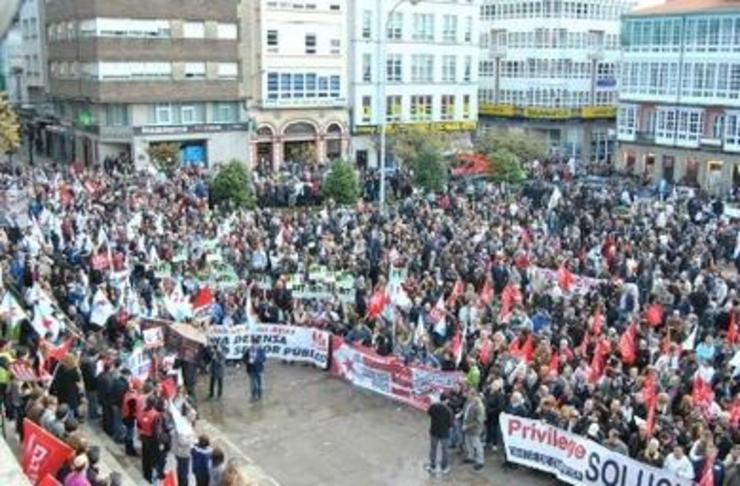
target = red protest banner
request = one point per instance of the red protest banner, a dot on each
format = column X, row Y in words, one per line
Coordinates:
column 43, row 454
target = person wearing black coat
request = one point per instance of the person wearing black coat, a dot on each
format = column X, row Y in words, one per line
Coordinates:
column 89, row 368
column 440, row 422
column 104, row 385
column 495, row 405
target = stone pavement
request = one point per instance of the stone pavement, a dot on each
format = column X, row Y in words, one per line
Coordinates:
column 311, row 429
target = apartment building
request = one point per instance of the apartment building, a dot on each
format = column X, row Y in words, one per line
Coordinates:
column 679, row 103
column 430, row 75
column 549, row 69
column 127, row 74
column 294, row 54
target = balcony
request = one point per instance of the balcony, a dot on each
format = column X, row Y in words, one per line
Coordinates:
column 496, row 52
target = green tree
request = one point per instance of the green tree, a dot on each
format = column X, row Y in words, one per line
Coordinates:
column 526, row 148
column 232, row 185
column 408, row 141
column 430, row 169
column 165, row 155
column 506, row 167
column 341, row 183
column 10, row 127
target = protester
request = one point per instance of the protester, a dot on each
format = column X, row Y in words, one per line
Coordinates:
column 599, row 307
column 201, row 456
column 254, row 360
column 473, row 427
column 440, row 417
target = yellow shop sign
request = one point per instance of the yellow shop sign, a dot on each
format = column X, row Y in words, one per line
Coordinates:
column 548, row 113
column 590, row 112
column 491, row 109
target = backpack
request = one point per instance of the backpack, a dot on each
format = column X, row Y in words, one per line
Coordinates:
column 161, row 434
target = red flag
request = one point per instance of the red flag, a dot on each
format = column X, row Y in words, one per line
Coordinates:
column 510, row 296
column 597, row 362
column 707, row 474
column 735, row 414
column 457, row 291
column 628, row 344
column 170, row 478
column 203, row 300
column 49, row 480
column 701, row 393
column 650, row 394
column 486, row 293
column 54, row 354
column 654, row 315
column 597, row 321
column 378, row 302
column 42, row 454
column 583, row 347
column 733, row 333
column 22, row 371
column 565, row 278
column 521, row 350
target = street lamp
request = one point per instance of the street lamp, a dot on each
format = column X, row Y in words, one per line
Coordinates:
column 382, row 73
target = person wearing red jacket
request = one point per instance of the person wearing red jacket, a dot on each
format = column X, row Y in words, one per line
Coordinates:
column 131, row 408
column 147, row 425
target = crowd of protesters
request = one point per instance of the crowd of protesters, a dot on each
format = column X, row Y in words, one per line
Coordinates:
column 631, row 338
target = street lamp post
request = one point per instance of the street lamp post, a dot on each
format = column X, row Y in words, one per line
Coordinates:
column 383, row 24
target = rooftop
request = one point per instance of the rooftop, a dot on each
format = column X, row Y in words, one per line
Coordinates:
column 672, row 7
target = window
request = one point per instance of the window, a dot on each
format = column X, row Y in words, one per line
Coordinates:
column 336, row 44
column 627, row 122
column 466, row 107
column 195, row 70
column 449, row 69
column 447, row 107
column 393, row 109
column 732, row 130
column 367, row 70
column 665, row 126
column 192, row 113
column 689, row 127
column 366, row 109
column 423, row 27
column 394, row 68
column 395, row 26
column 163, row 113
column 116, row 115
column 422, row 68
column 449, row 28
column 467, row 74
column 468, row 35
column 194, row 30
column 226, row 112
column 272, row 86
column 310, row 43
column 367, row 24
column 227, row 31
column 227, row 70
column 421, row 108
column 334, row 86
column 272, row 40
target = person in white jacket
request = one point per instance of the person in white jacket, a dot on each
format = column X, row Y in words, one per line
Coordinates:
column 678, row 463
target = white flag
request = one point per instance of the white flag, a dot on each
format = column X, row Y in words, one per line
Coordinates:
column 102, row 309
column 11, row 311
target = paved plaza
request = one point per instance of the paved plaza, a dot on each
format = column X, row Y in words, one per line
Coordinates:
column 312, row 429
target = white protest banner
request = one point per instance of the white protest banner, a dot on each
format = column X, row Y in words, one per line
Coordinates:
column 291, row 343
column 139, row 363
column 153, row 337
column 574, row 459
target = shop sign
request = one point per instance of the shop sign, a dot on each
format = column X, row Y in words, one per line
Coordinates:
column 196, row 128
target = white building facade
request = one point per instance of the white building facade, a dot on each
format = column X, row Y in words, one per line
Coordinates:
column 295, row 54
column 31, row 22
column 431, row 71
column 549, row 68
column 679, row 107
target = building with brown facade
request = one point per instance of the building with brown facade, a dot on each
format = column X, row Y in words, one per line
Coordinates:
column 127, row 74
